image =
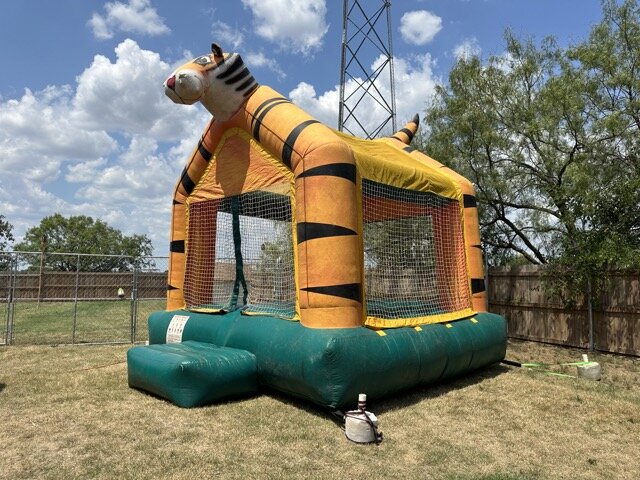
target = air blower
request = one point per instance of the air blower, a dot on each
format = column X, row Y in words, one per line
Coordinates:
column 361, row 426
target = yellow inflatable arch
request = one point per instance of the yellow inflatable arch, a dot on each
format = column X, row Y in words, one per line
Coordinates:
column 276, row 212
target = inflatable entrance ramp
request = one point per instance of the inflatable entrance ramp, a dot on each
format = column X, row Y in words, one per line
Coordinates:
column 192, row 374
column 343, row 265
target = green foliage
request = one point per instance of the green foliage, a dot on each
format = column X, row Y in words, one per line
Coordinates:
column 84, row 235
column 405, row 243
column 6, row 236
column 513, row 130
column 5, row 233
column 551, row 137
column 278, row 254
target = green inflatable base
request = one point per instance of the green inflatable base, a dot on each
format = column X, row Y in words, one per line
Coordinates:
column 331, row 367
column 191, row 374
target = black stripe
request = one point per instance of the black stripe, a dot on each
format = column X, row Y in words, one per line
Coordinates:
column 477, row 246
column 310, row 230
column 204, row 153
column 234, row 67
column 347, row 290
column 176, row 202
column 399, row 139
column 408, row 133
column 408, row 149
column 287, row 148
column 477, row 285
column 251, row 90
column 237, row 77
column 343, row 170
column 171, row 287
column 177, row 246
column 260, row 118
column 265, row 104
column 186, row 182
column 469, row 201
column 246, row 84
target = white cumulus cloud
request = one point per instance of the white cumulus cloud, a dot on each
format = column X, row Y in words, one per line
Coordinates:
column 260, row 60
column 324, row 107
column 414, row 85
column 295, row 26
column 127, row 95
column 37, row 134
column 137, row 16
column 111, row 146
column 139, row 173
column 467, row 48
column 419, row 27
column 226, row 36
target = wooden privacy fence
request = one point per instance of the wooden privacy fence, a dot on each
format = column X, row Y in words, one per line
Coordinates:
column 521, row 295
column 85, row 285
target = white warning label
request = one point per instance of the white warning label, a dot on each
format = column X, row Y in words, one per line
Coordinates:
column 176, row 327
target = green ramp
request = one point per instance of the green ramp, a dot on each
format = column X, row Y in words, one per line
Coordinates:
column 192, row 374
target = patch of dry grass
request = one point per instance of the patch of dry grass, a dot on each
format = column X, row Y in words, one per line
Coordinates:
column 67, row 412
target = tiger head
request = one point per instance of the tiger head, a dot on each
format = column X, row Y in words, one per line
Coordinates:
column 221, row 82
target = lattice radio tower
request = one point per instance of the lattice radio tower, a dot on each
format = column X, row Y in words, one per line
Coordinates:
column 364, row 93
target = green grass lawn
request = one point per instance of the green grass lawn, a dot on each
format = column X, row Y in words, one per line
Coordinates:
column 95, row 321
column 67, row 412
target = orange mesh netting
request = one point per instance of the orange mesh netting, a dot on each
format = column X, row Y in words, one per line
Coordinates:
column 240, row 255
column 414, row 253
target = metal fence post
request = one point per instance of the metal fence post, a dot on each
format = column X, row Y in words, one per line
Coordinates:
column 75, row 301
column 486, row 275
column 8, row 299
column 590, row 314
column 134, row 303
column 13, row 273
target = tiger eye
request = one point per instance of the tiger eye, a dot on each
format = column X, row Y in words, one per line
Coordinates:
column 203, row 60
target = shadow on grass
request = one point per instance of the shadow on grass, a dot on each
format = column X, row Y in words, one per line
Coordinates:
column 2, row 385
column 302, row 404
column 412, row 396
column 402, row 399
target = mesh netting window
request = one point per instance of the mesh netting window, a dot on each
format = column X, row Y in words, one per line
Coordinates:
column 414, row 253
column 240, row 255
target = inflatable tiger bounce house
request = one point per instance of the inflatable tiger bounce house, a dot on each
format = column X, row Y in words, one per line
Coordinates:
column 309, row 261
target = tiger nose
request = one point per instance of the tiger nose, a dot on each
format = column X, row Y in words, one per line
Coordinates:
column 171, row 82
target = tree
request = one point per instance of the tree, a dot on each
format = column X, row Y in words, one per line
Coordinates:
column 273, row 280
column 84, row 235
column 550, row 138
column 609, row 64
column 6, row 235
column 400, row 244
column 515, row 134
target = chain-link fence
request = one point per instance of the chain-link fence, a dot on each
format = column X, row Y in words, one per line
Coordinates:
column 65, row 298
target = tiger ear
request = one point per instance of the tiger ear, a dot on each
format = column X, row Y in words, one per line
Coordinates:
column 216, row 50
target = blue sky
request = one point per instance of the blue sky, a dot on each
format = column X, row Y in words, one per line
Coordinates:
column 86, row 129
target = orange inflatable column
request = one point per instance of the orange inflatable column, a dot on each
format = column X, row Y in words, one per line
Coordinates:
column 329, row 254
column 188, row 179
column 474, row 249
column 329, row 269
